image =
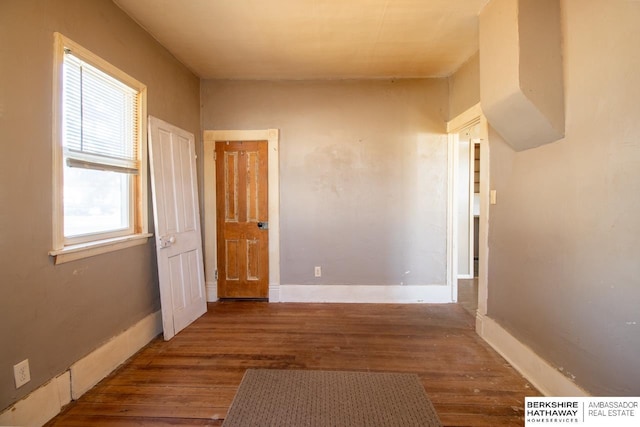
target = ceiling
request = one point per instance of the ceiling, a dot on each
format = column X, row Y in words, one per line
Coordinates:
column 313, row 39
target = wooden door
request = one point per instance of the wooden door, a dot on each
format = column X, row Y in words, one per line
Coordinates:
column 177, row 226
column 242, row 219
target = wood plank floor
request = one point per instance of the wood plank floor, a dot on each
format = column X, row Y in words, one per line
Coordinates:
column 468, row 294
column 192, row 379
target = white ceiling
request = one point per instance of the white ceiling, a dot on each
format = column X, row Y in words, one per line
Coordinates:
column 313, row 39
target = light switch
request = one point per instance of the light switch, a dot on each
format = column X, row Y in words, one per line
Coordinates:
column 492, row 197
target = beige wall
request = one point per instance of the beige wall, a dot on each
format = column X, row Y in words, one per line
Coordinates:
column 521, row 70
column 464, row 87
column 564, row 266
column 54, row 315
column 363, row 167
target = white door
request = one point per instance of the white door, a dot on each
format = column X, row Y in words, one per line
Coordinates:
column 177, row 225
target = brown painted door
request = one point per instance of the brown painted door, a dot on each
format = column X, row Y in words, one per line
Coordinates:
column 242, row 219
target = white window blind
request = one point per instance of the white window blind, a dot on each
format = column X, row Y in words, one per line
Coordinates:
column 100, row 119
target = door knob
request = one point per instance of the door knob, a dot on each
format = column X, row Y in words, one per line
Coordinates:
column 166, row 241
column 263, row 225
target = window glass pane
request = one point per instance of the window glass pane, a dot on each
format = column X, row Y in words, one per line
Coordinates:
column 100, row 113
column 72, row 106
column 95, row 201
column 107, row 117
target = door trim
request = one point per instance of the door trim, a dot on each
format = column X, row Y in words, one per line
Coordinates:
column 272, row 136
column 469, row 117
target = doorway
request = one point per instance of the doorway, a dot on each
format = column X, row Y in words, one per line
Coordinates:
column 468, row 197
column 469, row 209
column 242, row 219
column 271, row 227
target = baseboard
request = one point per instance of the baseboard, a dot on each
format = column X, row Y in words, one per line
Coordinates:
column 274, row 292
column 547, row 379
column 211, row 289
column 92, row 368
column 40, row 405
column 362, row 294
column 46, row 402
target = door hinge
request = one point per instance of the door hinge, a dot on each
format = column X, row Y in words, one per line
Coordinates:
column 215, row 156
column 215, row 275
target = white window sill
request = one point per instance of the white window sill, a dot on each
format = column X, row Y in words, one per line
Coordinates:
column 85, row 250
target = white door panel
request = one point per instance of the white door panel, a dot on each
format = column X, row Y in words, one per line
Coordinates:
column 177, row 225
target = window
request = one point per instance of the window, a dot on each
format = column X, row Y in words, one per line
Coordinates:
column 99, row 154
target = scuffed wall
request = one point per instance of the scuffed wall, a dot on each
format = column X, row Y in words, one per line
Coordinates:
column 363, row 167
column 564, row 269
column 54, row 315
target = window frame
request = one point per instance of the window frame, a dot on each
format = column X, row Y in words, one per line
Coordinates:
column 76, row 247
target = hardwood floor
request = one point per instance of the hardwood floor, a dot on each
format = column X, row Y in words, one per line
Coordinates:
column 468, row 294
column 192, row 379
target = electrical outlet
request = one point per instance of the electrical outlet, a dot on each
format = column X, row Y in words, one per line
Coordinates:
column 317, row 271
column 21, row 373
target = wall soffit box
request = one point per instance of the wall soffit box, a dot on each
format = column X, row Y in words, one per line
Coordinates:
column 521, row 76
